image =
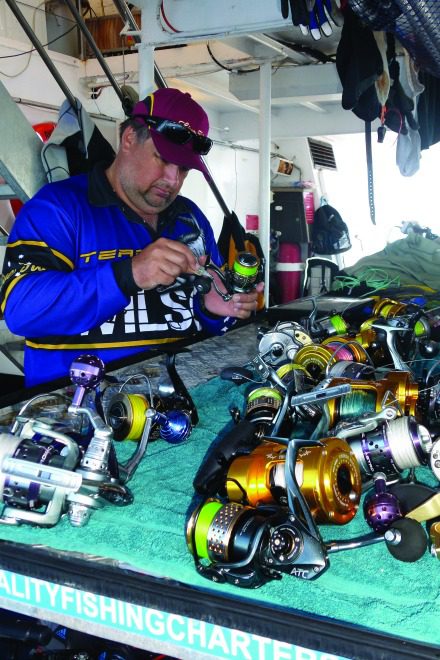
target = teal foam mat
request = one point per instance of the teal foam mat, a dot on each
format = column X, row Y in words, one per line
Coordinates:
column 365, row 587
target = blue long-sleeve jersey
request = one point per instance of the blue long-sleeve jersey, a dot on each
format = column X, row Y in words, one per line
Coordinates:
column 67, row 282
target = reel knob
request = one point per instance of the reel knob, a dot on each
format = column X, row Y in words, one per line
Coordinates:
column 428, row 348
column 406, row 540
column 381, row 508
column 175, row 426
column 86, row 372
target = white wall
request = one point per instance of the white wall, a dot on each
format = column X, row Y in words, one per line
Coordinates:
column 235, row 173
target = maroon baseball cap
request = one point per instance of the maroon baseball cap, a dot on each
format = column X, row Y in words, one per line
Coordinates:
column 172, row 104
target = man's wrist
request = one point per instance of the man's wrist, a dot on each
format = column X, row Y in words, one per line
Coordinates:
column 204, row 309
column 124, row 277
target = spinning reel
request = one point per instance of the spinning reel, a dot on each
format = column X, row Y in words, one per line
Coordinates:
column 243, row 277
column 48, row 468
column 327, row 474
column 248, row 546
column 45, row 471
column 395, row 389
column 172, row 412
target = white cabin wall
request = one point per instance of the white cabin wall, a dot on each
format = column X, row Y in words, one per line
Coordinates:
column 235, row 172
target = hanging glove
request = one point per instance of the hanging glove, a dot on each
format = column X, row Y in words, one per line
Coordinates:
column 319, row 20
column 298, row 10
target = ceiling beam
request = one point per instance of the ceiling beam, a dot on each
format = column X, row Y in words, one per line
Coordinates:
column 313, row 83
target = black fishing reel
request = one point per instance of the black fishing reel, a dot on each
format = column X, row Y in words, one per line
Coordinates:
column 248, row 546
column 247, row 270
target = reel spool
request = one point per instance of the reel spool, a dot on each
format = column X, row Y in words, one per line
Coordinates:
column 262, row 406
column 126, row 415
column 314, row 358
column 396, row 389
column 393, row 447
column 295, row 374
column 346, row 349
column 245, row 272
column 333, row 325
column 248, row 547
column 327, row 474
column 388, row 308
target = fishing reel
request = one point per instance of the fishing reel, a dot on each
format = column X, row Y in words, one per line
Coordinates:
column 384, row 442
column 46, row 472
column 48, row 467
column 127, row 415
column 327, row 474
column 248, row 546
column 172, row 412
column 390, row 309
column 281, row 343
column 243, row 277
column 396, row 389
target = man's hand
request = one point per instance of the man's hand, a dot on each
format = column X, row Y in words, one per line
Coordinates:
column 241, row 305
column 161, row 262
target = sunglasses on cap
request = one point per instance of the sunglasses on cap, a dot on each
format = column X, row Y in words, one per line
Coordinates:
column 178, row 133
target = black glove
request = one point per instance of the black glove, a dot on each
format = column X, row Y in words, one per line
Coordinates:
column 298, row 9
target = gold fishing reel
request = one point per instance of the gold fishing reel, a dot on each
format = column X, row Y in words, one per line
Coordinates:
column 397, row 389
column 318, row 358
column 328, row 476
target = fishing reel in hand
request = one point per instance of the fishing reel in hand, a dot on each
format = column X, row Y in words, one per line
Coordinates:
column 243, row 277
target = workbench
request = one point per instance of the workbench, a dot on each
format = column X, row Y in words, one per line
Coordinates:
column 128, row 575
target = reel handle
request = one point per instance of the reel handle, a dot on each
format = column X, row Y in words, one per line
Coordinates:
column 86, row 372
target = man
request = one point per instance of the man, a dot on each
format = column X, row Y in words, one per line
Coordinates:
column 90, row 259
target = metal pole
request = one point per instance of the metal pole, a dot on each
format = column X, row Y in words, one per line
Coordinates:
column 127, row 16
column 43, row 54
column 264, row 170
column 90, row 40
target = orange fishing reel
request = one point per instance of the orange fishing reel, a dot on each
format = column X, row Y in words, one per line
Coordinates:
column 327, row 474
